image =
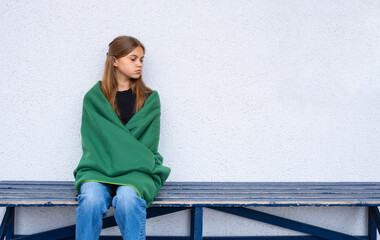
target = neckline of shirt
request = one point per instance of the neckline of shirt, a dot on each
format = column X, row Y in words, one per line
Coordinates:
column 125, row 91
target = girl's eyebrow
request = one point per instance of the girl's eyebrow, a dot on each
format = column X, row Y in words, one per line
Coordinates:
column 135, row 55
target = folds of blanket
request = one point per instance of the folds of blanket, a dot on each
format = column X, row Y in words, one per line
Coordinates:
column 121, row 154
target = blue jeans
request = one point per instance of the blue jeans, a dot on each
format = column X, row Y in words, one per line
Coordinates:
column 93, row 203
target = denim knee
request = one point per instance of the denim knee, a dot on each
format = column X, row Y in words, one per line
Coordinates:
column 129, row 199
column 94, row 198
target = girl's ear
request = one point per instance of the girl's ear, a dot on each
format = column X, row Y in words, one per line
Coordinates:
column 114, row 61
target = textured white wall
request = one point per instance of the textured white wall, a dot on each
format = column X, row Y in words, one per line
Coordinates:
column 250, row 91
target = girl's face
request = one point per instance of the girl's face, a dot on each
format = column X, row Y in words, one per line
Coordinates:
column 129, row 66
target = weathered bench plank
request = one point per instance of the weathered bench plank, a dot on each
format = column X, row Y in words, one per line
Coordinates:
column 228, row 197
column 62, row 193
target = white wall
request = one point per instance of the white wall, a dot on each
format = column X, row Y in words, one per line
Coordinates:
column 250, row 91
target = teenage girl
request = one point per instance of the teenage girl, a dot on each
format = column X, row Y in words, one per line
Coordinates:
column 123, row 86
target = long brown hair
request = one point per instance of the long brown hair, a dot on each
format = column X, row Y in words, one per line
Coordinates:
column 120, row 47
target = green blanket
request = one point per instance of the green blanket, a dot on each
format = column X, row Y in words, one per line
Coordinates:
column 121, row 154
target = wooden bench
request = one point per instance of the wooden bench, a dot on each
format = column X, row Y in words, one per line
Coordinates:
column 228, row 197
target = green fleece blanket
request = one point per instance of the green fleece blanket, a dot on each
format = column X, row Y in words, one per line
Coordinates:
column 121, row 154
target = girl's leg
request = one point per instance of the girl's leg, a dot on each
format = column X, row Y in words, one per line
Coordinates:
column 93, row 203
column 130, row 213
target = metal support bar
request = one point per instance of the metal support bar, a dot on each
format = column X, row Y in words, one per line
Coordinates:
column 7, row 224
column 375, row 215
column 196, row 223
column 69, row 231
column 285, row 223
column 371, row 226
column 159, row 211
column 4, row 224
column 64, row 232
column 11, row 225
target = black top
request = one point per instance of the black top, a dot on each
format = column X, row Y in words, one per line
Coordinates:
column 125, row 101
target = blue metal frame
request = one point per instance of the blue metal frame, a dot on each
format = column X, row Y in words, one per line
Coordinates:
column 196, row 229
column 314, row 232
column 373, row 222
column 7, row 225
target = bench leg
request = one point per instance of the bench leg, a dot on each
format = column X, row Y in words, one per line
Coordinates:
column 196, row 223
column 373, row 222
column 11, row 224
column 371, row 226
column 7, row 225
